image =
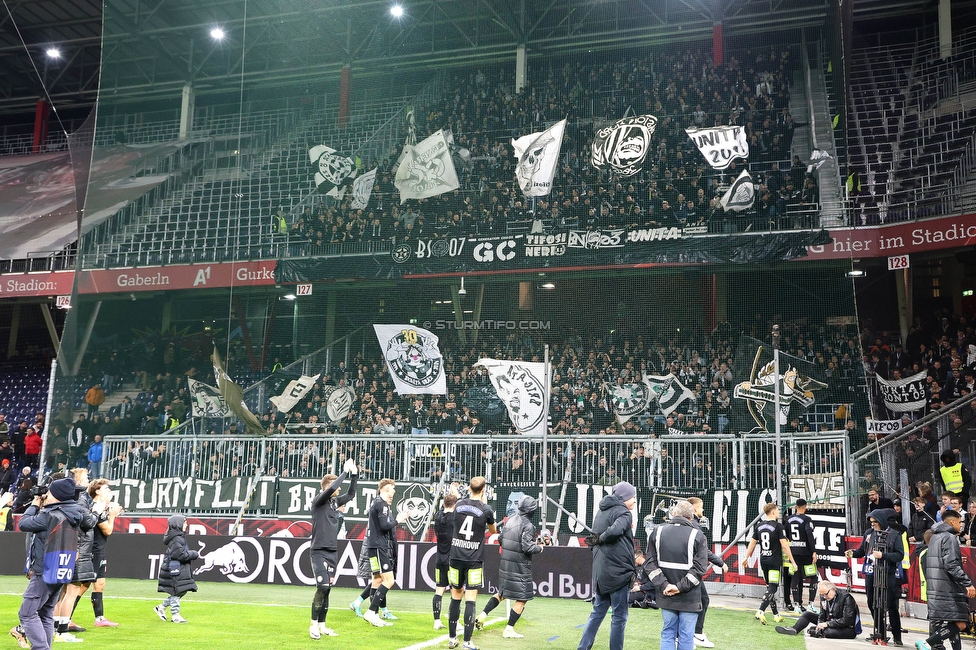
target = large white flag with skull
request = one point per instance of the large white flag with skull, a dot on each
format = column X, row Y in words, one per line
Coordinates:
column 538, row 157
column 523, row 387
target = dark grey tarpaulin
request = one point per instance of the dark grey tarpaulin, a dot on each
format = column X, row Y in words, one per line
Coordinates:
column 570, row 249
column 39, row 194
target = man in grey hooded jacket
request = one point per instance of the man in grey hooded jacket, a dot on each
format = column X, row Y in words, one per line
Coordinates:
column 887, row 560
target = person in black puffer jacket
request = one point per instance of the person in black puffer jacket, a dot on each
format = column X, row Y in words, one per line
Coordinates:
column 948, row 586
column 612, row 542
column 519, row 544
column 175, row 578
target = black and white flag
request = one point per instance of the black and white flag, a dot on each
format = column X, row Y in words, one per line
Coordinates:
column 741, row 195
column 207, row 401
column 338, row 402
column 538, row 158
column 667, row 391
column 623, row 146
column 362, row 189
column 522, row 387
column 426, row 169
column 413, row 359
column 817, row 158
column 720, row 145
column 754, row 395
column 293, row 393
column 628, row 400
column 904, row 394
column 333, row 169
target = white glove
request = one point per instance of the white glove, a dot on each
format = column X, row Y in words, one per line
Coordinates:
column 349, row 467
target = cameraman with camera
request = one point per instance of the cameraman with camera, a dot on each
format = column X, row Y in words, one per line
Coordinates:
column 55, row 518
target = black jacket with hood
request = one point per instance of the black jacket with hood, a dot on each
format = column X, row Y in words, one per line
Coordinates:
column 174, row 572
column 894, row 552
column 613, row 558
column 518, row 547
column 946, row 581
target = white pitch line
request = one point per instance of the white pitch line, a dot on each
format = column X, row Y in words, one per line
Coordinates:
column 442, row 639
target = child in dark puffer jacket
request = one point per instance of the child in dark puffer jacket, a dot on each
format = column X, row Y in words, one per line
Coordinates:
column 175, row 578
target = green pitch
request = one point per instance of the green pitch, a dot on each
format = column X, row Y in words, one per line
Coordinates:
column 235, row 617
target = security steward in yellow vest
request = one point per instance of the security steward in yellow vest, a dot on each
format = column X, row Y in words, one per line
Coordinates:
column 955, row 477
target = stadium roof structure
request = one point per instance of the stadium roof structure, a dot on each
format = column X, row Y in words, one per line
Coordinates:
column 153, row 47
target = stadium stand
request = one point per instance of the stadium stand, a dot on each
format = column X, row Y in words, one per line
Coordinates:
column 913, row 119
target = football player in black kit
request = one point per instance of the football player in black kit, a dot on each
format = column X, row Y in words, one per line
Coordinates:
column 472, row 518
column 381, row 542
column 771, row 537
column 799, row 531
column 444, row 531
column 326, row 518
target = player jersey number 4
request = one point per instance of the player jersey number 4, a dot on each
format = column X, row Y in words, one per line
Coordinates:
column 471, row 521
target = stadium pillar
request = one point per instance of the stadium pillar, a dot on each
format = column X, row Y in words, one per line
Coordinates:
column 720, row 297
column 344, row 82
column 718, row 53
column 331, row 305
column 903, row 287
column 520, row 64
column 14, row 326
column 42, row 117
column 167, row 315
column 187, row 108
column 945, row 29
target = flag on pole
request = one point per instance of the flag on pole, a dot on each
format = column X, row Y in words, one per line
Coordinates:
column 741, row 195
column 667, row 391
column 426, row 169
column 207, row 401
column 413, row 359
column 623, row 146
column 333, row 169
column 720, row 145
column 538, row 158
column 522, row 387
column 293, row 393
column 628, row 400
column 755, row 393
column 234, row 397
column 362, row 189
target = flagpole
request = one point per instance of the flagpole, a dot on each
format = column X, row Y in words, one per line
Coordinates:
column 545, row 437
column 776, row 400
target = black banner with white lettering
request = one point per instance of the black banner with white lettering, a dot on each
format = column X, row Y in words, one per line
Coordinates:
column 573, row 248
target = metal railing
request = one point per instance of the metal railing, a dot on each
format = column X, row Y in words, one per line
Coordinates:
column 672, row 462
column 897, row 462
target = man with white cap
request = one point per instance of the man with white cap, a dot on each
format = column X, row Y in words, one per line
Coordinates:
column 612, row 541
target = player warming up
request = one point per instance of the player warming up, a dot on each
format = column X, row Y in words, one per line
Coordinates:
column 326, row 519
column 771, row 538
column 472, row 518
